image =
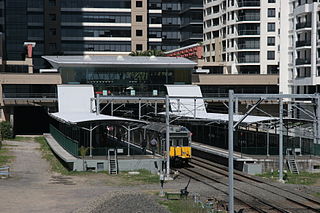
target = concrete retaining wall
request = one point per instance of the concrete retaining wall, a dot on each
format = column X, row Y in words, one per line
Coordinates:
column 123, row 165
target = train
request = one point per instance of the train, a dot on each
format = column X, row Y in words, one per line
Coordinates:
column 180, row 141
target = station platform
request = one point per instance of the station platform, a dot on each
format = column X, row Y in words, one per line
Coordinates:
column 261, row 163
column 101, row 163
column 222, row 152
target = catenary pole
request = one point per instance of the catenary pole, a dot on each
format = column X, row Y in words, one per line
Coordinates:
column 230, row 139
column 168, row 135
column 280, row 139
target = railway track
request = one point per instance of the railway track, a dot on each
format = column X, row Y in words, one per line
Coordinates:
column 254, row 193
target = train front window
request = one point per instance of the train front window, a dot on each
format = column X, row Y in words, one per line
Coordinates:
column 179, row 142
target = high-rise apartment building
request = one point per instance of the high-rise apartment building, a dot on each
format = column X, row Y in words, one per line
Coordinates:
column 100, row 27
column 241, row 36
column 300, row 55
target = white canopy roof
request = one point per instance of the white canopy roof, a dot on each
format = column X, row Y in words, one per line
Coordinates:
column 119, row 61
column 219, row 117
column 74, row 106
column 79, row 117
column 195, row 108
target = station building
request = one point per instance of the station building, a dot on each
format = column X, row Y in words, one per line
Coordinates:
column 27, row 97
column 124, row 75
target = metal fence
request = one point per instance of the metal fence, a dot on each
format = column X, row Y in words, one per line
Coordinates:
column 68, row 144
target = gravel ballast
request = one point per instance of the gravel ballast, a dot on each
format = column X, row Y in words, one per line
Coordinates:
column 124, row 202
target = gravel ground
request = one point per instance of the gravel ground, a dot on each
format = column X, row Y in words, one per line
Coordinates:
column 123, row 202
column 33, row 188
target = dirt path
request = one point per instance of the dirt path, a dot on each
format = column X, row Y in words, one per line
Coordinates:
column 32, row 188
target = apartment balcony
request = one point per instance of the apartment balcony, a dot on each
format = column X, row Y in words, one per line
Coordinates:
column 303, row 43
column 248, row 32
column 244, row 3
column 303, row 25
column 304, row 61
column 249, row 60
column 248, row 46
column 249, row 18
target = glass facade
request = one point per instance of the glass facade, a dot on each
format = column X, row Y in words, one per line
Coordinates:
column 72, row 27
column 96, row 4
column 121, row 80
column 16, row 28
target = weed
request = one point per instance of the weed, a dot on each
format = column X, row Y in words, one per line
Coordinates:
column 5, row 158
column 47, row 154
column 304, row 178
column 182, row 206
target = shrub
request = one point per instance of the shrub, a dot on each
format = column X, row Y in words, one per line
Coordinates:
column 5, row 130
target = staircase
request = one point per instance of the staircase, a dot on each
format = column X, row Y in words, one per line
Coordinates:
column 113, row 161
column 291, row 160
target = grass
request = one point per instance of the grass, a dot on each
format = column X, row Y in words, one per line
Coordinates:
column 56, row 166
column 5, row 158
column 303, row 178
column 47, row 154
column 182, row 206
column 144, row 176
column 317, row 194
column 21, row 138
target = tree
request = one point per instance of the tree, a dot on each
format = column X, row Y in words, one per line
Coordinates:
column 5, row 130
column 83, row 151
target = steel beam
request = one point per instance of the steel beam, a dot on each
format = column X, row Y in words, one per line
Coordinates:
column 247, row 113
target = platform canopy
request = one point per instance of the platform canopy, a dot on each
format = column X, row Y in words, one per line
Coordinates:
column 78, row 117
column 191, row 105
column 119, row 61
column 76, row 106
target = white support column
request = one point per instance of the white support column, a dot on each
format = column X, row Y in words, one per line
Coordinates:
column 195, row 108
column 111, row 108
column 236, row 110
column 156, row 108
column 90, row 140
column 268, row 143
column 128, row 139
column 139, row 109
column 98, row 104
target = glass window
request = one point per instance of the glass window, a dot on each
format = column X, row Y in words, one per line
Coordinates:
column 53, row 17
column 271, row 27
column 139, row 47
column 138, row 3
column 138, row 18
column 138, row 32
column 271, row 41
column 271, row 55
column 271, row 1
column 53, row 31
column 52, row 3
column 271, row 12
